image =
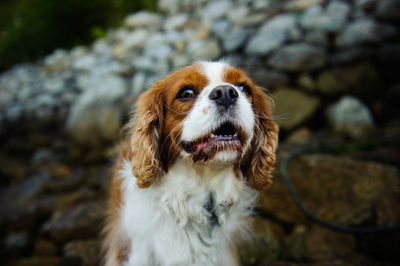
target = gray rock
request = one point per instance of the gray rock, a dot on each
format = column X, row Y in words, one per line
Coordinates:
column 298, row 57
column 57, row 61
column 388, row 9
column 215, row 10
column 144, row 63
column 221, row 28
column 85, row 62
column 179, row 60
column 144, row 19
column 235, row 39
column 263, row 44
column 138, row 84
column 82, row 221
column 95, row 117
column 359, row 79
column 332, row 19
column 352, row 55
column 87, row 250
column 169, row 6
column 317, row 37
column 135, row 39
column 158, row 51
column 204, row 49
column 268, row 78
column 307, row 82
column 363, row 31
column 293, row 107
column 367, row 5
column 176, row 22
column 273, row 34
column 351, row 117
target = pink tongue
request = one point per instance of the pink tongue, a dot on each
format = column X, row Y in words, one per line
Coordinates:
column 201, row 145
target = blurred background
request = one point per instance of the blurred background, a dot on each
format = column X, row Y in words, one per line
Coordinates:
column 70, row 72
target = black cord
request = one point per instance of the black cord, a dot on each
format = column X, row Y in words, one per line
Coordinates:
column 312, row 217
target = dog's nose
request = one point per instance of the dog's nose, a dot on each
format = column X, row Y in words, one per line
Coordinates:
column 224, row 95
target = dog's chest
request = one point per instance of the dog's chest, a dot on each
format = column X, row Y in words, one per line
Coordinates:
column 186, row 214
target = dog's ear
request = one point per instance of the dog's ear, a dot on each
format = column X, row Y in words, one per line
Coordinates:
column 260, row 159
column 145, row 136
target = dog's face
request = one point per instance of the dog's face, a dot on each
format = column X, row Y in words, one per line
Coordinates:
column 208, row 113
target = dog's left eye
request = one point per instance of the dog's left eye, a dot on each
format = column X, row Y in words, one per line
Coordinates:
column 243, row 87
column 186, row 93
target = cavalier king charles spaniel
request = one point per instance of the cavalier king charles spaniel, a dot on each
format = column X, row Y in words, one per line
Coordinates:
column 202, row 143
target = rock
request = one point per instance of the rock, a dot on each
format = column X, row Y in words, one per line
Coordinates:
column 388, row 60
column 360, row 78
column 388, row 10
column 221, row 28
column 215, row 10
column 367, row 5
column 169, row 6
column 318, row 244
column 144, row 19
column 138, row 84
column 307, row 82
column 176, row 22
column 363, row 31
column 351, row 117
column 57, row 61
column 352, row 55
column 12, row 170
column 96, row 117
column 293, row 107
column 317, row 37
column 300, row 5
column 36, row 261
column 298, row 57
column 337, row 189
column 204, row 49
column 14, row 245
column 272, row 34
column 135, row 39
column 235, row 38
column 80, row 222
column 45, row 247
column 85, row 62
column 87, row 250
column 264, row 244
column 268, row 78
column 332, row 19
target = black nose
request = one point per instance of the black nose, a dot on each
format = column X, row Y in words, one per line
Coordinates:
column 224, row 95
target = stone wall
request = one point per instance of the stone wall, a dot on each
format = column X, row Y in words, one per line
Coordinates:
column 332, row 70
column 309, row 53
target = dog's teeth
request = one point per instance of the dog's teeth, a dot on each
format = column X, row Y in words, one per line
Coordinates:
column 235, row 135
column 212, row 135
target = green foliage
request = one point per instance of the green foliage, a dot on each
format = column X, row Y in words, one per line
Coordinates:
column 30, row 29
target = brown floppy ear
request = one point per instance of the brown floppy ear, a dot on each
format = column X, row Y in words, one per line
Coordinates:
column 145, row 137
column 260, row 160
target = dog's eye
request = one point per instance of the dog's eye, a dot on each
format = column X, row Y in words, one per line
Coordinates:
column 243, row 87
column 186, row 93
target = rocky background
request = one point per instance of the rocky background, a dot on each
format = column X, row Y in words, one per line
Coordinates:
column 332, row 68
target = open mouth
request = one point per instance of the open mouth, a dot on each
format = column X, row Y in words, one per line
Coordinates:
column 227, row 136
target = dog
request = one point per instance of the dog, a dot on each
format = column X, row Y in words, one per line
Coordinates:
column 201, row 145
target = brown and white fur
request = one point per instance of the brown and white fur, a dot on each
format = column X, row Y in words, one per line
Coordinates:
column 201, row 145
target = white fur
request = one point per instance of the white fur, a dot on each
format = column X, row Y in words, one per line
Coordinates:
column 167, row 223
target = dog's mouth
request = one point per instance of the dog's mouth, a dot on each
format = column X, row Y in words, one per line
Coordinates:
column 226, row 136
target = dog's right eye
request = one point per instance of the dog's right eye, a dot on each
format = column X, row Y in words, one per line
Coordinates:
column 186, row 93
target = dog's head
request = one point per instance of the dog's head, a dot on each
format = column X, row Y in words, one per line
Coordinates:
column 207, row 113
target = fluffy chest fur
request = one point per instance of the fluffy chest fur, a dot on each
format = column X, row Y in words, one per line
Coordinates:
column 172, row 223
